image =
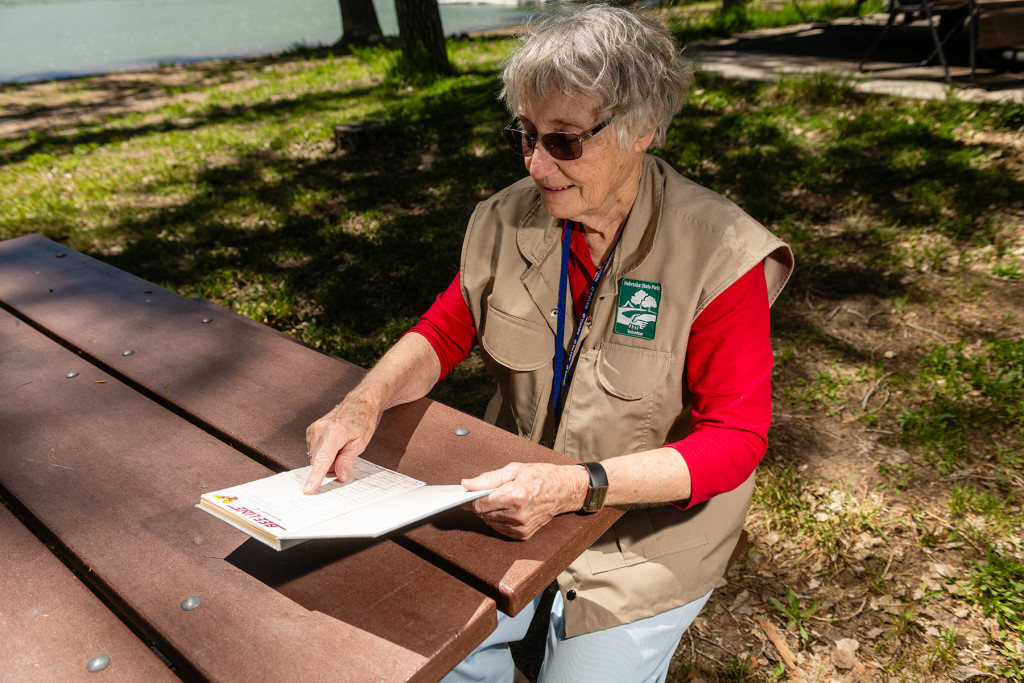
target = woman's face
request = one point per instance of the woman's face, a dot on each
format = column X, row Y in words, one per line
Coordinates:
column 597, row 189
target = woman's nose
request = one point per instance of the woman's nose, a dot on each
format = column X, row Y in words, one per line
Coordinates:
column 540, row 163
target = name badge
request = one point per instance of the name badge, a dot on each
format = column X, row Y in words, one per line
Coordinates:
column 637, row 311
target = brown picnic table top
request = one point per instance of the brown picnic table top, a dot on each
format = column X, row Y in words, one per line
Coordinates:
column 170, row 397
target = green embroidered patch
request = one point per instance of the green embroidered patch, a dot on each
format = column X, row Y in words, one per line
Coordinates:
column 637, row 312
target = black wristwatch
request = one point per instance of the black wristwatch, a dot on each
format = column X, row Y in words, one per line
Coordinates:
column 598, row 487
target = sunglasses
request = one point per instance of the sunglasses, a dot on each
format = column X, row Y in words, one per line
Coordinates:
column 565, row 146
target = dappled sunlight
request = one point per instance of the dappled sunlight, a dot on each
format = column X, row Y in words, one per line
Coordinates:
column 889, row 500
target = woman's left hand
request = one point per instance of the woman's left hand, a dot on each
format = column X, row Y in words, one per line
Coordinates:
column 527, row 496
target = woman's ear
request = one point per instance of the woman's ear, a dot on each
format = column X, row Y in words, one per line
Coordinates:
column 643, row 142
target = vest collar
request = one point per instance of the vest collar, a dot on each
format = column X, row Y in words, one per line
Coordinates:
column 539, row 235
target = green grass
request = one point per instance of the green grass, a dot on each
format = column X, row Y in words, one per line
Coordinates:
column 972, row 403
column 795, row 612
column 997, row 584
column 700, row 21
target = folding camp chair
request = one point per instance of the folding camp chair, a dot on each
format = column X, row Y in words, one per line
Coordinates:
column 963, row 12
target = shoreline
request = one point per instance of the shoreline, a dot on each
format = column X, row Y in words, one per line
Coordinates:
column 50, row 104
column 277, row 56
column 57, row 103
column 150, row 37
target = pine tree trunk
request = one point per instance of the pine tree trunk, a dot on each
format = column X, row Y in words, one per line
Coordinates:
column 359, row 25
column 421, row 35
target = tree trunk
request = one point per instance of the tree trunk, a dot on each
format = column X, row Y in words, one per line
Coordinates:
column 421, row 35
column 359, row 25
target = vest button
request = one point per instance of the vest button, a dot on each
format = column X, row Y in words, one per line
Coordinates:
column 570, row 595
column 590, row 321
column 553, row 313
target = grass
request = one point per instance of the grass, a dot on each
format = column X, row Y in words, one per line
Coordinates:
column 972, row 402
column 900, row 334
column 794, row 612
column 703, row 20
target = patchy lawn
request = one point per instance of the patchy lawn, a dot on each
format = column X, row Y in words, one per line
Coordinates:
column 886, row 532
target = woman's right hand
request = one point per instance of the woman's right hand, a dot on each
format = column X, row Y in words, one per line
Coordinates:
column 337, row 438
column 407, row 372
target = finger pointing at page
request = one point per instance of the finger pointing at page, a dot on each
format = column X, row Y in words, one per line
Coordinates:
column 336, row 439
column 406, row 372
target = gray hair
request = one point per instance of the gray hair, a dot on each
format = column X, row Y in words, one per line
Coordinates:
column 628, row 64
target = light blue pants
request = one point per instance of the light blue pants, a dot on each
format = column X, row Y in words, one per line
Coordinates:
column 640, row 652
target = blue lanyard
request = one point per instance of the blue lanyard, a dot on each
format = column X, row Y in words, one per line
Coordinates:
column 562, row 364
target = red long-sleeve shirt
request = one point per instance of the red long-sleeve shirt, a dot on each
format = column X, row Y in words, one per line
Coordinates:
column 728, row 370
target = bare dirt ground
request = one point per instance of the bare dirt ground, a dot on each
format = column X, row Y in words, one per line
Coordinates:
column 887, row 602
column 55, row 105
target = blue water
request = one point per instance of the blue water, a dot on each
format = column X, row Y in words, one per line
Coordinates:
column 43, row 39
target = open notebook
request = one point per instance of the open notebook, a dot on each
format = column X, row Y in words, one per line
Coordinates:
column 374, row 501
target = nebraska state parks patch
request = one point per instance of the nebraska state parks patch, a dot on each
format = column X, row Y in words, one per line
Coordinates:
column 637, row 312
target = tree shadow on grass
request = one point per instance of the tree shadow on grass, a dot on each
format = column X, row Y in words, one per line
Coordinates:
column 357, row 244
column 66, row 103
column 56, row 142
column 893, row 164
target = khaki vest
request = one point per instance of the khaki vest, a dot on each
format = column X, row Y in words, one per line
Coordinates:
column 627, row 393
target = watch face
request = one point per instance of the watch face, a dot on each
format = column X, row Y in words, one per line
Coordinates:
column 595, row 499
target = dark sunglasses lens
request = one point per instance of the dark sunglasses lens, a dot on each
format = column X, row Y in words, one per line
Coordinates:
column 518, row 142
column 563, row 145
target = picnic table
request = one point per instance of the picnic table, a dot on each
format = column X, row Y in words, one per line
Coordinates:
column 122, row 402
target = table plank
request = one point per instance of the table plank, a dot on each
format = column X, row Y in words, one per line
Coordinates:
column 262, row 390
column 114, row 477
column 52, row 625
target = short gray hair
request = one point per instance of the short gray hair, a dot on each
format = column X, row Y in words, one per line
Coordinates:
column 628, row 64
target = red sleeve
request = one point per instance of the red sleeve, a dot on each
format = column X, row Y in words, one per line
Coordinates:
column 448, row 326
column 728, row 370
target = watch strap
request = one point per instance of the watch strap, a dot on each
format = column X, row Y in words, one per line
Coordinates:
column 598, row 489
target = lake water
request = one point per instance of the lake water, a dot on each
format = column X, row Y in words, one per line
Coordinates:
column 42, row 39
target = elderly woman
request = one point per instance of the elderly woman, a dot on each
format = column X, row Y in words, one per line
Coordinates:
column 624, row 312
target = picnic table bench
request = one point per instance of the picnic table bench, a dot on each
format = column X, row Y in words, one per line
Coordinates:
column 122, row 402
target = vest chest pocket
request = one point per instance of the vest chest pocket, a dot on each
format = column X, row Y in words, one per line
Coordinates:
column 517, row 344
column 631, row 373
